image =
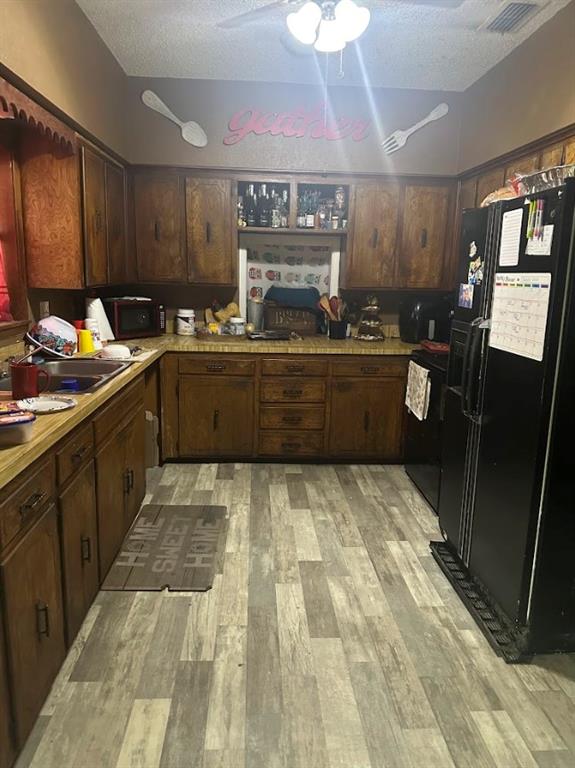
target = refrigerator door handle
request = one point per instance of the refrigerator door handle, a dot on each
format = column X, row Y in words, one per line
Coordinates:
column 472, row 394
column 465, row 373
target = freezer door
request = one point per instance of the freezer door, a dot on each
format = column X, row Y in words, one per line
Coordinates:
column 471, row 269
column 455, row 435
column 514, row 422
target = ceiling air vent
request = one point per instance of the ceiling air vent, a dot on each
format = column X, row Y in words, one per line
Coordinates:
column 512, row 17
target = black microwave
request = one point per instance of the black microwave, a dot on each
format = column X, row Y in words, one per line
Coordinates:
column 135, row 318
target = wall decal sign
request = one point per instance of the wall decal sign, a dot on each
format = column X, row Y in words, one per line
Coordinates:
column 193, row 133
column 398, row 139
column 295, row 124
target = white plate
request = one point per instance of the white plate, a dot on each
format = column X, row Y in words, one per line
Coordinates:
column 47, row 404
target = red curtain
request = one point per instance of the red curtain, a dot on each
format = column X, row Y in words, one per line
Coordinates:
column 5, row 313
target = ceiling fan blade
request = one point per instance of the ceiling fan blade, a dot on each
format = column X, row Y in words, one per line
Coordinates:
column 249, row 16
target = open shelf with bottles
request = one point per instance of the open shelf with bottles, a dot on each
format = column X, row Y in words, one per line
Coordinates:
column 263, row 205
column 291, row 206
column 322, row 207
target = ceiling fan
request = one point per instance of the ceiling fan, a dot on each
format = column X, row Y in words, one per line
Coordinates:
column 268, row 10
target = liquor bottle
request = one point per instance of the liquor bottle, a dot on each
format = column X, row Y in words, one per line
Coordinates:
column 301, row 211
column 250, row 206
column 284, row 210
column 263, row 207
column 274, row 209
column 241, row 212
column 310, row 211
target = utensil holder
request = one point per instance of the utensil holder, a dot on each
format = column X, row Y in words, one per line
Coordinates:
column 337, row 329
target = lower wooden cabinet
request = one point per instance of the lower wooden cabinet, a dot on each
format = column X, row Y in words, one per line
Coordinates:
column 215, row 416
column 32, row 585
column 120, row 486
column 79, row 540
column 313, row 407
column 366, row 418
column 7, row 748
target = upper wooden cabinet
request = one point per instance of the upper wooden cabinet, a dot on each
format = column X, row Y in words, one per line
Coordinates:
column 424, row 241
column 7, row 750
column 210, row 230
column 159, row 228
column 184, row 228
column 74, row 215
column 94, row 214
column 488, row 182
column 373, row 236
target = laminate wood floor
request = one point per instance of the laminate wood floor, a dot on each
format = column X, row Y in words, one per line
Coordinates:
column 330, row 640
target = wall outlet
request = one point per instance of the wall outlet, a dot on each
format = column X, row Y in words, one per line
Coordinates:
column 44, row 309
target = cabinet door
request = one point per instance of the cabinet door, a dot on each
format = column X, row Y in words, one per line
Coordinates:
column 468, row 193
column 160, row 245
column 209, row 229
column 569, row 152
column 6, row 742
column 551, row 156
column 135, row 463
column 373, row 236
column 116, row 223
column 34, row 617
column 522, row 165
column 489, row 182
column 424, row 236
column 111, row 491
column 367, row 419
column 79, row 540
column 94, row 196
column 215, row 416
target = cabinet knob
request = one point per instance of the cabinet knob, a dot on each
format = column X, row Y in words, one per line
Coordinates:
column 375, row 238
column 423, row 238
column 79, row 454
column 32, row 503
column 157, row 231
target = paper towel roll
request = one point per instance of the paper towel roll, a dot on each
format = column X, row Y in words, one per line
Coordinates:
column 95, row 311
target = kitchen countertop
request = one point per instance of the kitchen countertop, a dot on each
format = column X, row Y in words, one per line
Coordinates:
column 311, row 345
column 49, row 429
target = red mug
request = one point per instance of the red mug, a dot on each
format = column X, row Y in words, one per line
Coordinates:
column 25, row 380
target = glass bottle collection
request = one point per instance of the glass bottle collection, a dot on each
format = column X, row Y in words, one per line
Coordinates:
column 263, row 207
column 267, row 206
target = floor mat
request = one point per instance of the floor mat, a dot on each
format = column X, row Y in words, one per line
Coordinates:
column 173, row 547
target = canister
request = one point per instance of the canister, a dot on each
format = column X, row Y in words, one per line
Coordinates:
column 185, row 322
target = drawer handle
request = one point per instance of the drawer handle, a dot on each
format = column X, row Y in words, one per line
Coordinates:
column 216, row 420
column 216, row 367
column 86, row 549
column 295, row 368
column 291, row 419
column 423, row 238
column 42, row 620
column 208, row 232
column 79, row 454
column 375, row 238
column 366, row 421
column 157, row 231
column 370, row 369
column 127, row 481
column 291, row 446
column 32, row 503
column 293, row 392
column 131, row 479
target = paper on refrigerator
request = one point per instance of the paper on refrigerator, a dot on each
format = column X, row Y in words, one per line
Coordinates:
column 519, row 314
column 510, row 238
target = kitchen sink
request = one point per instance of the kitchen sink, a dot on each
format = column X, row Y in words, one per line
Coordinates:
column 89, row 373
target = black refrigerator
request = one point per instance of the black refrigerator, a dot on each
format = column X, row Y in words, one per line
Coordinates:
column 507, row 494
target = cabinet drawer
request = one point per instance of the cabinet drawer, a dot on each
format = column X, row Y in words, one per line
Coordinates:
column 293, row 367
column 24, row 499
column 370, row 367
column 292, row 417
column 110, row 417
column 217, row 365
column 291, row 443
column 75, row 452
column 292, row 390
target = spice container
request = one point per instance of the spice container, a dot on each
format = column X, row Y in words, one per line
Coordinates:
column 237, row 326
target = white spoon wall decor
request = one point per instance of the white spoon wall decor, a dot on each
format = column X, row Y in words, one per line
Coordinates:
column 193, row 133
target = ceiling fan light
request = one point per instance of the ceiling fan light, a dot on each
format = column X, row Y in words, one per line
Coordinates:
column 353, row 20
column 330, row 38
column 303, row 24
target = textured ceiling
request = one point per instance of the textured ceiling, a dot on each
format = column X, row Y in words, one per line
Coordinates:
column 407, row 45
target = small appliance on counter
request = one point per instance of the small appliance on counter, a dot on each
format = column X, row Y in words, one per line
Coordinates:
column 133, row 317
column 425, row 319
